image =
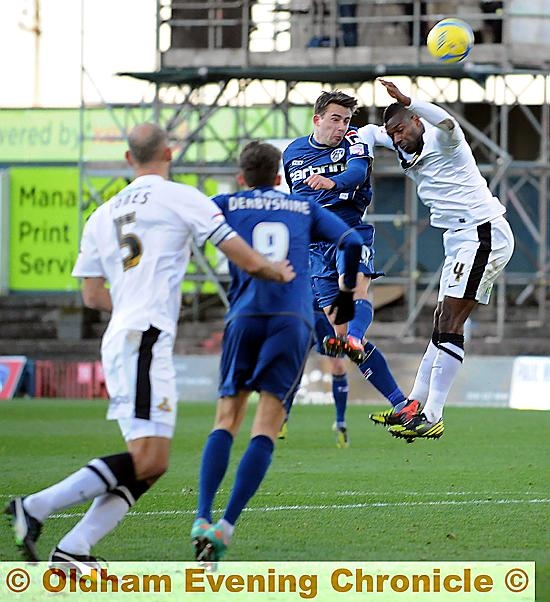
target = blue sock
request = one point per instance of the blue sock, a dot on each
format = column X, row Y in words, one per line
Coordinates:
column 250, row 474
column 362, row 319
column 340, row 393
column 376, row 369
column 215, row 458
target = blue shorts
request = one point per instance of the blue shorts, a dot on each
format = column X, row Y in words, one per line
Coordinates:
column 264, row 353
column 327, row 264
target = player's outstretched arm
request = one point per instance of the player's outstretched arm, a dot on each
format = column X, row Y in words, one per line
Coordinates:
column 255, row 264
column 395, row 92
column 428, row 111
column 95, row 295
column 433, row 114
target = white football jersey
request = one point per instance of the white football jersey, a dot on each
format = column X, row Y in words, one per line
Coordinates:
column 447, row 178
column 139, row 241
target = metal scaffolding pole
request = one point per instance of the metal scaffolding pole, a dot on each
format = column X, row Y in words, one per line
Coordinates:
column 229, row 95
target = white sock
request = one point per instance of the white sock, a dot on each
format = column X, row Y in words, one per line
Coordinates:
column 445, row 368
column 81, row 486
column 421, row 385
column 102, row 517
column 227, row 528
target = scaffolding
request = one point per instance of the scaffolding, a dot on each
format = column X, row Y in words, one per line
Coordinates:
column 258, row 65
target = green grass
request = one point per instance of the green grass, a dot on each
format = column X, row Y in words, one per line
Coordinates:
column 480, row 493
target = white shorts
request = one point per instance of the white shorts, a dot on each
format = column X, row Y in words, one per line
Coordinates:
column 137, row 428
column 474, row 257
column 141, row 382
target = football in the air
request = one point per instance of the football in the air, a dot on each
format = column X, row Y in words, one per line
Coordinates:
column 450, row 40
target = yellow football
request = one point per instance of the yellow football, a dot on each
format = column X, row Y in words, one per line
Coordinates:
column 450, row 40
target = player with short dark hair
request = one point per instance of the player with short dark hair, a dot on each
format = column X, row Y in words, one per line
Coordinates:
column 257, row 162
column 325, row 99
column 138, row 242
column 478, row 242
column 332, row 166
column 268, row 332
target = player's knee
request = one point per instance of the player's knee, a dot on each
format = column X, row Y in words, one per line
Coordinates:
column 338, row 366
column 227, row 421
column 445, row 319
column 151, row 471
column 230, row 413
column 150, row 467
column 437, row 313
column 158, row 469
column 362, row 288
column 450, row 323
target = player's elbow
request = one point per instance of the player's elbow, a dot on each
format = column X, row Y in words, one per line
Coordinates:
column 95, row 295
column 447, row 124
column 91, row 299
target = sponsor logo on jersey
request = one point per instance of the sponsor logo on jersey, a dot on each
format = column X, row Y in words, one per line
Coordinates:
column 297, row 162
column 325, row 170
column 337, row 154
column 357, row 149
column 353, row 137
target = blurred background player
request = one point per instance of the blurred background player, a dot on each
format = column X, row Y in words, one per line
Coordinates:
column 138, row 242
column 268, row 332
column 331, row 167
column 478, row 241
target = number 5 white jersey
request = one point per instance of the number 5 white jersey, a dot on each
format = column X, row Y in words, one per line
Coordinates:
column 140, row 242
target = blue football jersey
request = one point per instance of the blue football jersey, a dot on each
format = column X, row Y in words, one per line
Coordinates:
column 280, row 226
column 305, row 157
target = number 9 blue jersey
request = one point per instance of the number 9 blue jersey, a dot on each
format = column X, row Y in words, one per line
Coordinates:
column 281, row 226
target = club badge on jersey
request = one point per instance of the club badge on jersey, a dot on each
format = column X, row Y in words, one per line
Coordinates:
column 305, row 157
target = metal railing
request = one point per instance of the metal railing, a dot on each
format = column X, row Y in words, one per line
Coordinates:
column 257, row 27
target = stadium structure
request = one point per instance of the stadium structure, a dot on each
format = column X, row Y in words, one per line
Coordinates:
column 231, row 57
column 230, row 71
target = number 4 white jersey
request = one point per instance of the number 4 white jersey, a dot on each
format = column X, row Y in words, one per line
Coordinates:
column 447, row 177
column 140, row 242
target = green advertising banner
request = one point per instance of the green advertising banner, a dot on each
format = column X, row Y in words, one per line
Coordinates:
column 45, row 227
column 53, row 135
column 44, row 222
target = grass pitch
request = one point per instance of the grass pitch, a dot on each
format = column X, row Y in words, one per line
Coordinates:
column 482, row 492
